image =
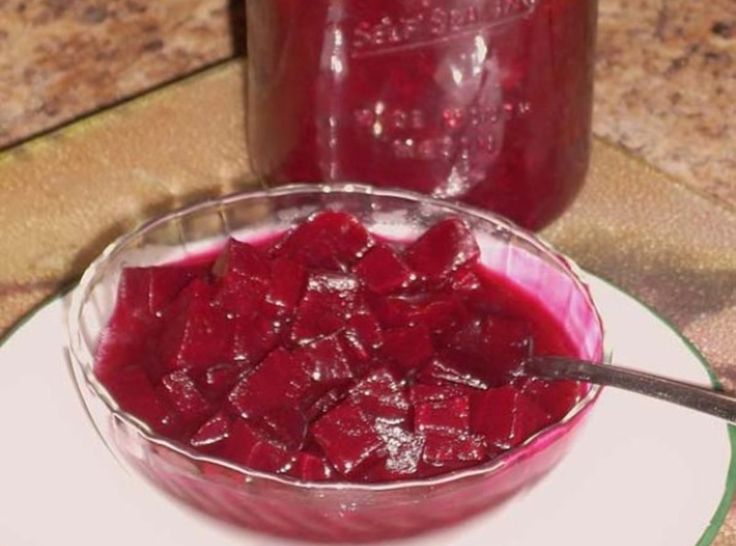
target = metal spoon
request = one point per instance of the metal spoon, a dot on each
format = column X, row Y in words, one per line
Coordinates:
column 677, row 392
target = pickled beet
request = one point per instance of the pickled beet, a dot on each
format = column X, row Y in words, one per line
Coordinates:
column 327, row 353
column 329, row 240
column 442, row 250
column 382, row 270
column 348, row 437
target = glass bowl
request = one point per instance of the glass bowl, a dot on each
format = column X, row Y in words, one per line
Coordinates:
column 327, row 512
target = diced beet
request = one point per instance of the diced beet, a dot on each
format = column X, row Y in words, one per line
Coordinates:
column 237, row 298
column 465, row 280
column 442, row 372
column 212, row 433
column 218, row 380
column 243, row 276
column 348, row 437
column 506, row 417
column 557, row 398
column 250, row 447
column 382, row 270
column 407, row 348
column 181, row 392
column 441, row 250
column 510, row 342
column 403, row 448
column 450, row 417
column 279, row 380
column 361, row 338
column 439, row 313
column 244, row 261
column 146, row 291
column 195, row 335
column 392, row 311
column 316, row 358
column 420, row 393
column 491, row 347
column 286, row 425
column 328, row 240
column 326, row 364
column 288, row 279
column 329, row 301
column 325, row 403
column 131, row 389
column 440, row 449
column 312, row 468
column 252, row 339
column 379, row 395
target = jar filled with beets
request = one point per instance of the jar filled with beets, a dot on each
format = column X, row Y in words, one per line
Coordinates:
column 482, row 101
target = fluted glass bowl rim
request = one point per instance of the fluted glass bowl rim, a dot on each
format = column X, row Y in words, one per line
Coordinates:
column 82, row 355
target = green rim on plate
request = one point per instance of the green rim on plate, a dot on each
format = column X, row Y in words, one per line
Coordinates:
column 719, row 517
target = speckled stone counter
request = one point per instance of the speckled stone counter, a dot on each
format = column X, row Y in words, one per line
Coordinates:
column 666, row 70
column 60, row 59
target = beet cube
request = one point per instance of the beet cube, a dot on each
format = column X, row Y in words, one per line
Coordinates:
column 218, row 380
column 379, row 395
column 244, row 261
column 181, row 392
column 131, row 388
column 145, row 292
column 509, row 341
column 442, row 249
column 392, row 311
column 325, row 403
column 243, row 275
column 328, row 240
column 287, row 426
column 348, row 437
column 252, row 339
column 450, row 417
column 419, row 393
column 382, row 270
column 326, row 364
column 404, row 450
column 506, row 417
column 465, row 280
column 288, row 279
column 440, row 314
column 407, row 348
column 441, row 450
column 361, row 338
column 250, row 447
column 492, row 347
column 312, row 468
column 279, row 380
column 195, row 334
column 212, row 433
column 442, row 371
column 329, row 301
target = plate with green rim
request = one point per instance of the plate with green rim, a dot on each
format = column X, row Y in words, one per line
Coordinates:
column 641, row 471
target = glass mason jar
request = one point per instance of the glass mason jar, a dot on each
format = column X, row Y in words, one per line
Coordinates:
column 483, row 101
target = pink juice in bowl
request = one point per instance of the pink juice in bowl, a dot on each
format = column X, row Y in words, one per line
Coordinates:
column 482, row 101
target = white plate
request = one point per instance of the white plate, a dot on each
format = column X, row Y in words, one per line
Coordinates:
column 642, row 472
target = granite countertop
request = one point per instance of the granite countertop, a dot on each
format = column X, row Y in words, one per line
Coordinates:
column 666, row 71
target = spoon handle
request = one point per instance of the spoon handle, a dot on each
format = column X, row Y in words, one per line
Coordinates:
column 684, row 394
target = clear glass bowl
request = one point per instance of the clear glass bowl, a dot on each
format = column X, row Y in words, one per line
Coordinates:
column 331, row 512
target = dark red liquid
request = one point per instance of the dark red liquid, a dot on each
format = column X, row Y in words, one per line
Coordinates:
column 329, row 354
column 485, row 101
